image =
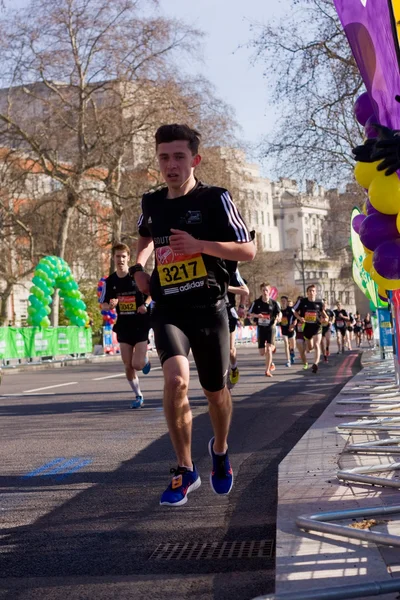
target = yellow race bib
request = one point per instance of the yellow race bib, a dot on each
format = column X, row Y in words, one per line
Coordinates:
column 127, row 304
column 179, row 272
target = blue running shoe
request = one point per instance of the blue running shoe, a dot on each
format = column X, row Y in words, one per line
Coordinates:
column 292, row 358
column 221, row 477
column 146, row 368
column 137, row 402
column 183, row 482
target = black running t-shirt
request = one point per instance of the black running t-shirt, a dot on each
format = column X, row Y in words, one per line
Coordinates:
column 129, row 299
column 287, row 319
column 267, row 311
column 207, row 213
column 340, row 322
column 309, row 310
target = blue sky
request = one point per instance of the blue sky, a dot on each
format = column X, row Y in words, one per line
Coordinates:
column 227, row 63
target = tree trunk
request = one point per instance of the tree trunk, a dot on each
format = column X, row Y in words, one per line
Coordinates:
column 4, row 301
column 66, row 215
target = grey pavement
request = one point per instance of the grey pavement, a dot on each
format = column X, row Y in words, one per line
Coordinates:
column 308, row 484
column 81, row 475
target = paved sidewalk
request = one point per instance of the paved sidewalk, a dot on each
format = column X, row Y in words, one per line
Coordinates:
column 308, row 485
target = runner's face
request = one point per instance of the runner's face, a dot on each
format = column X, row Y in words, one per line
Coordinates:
column 176, row 163
column 265, row 292
column 284, row 302
column 121, row 260
column 311, row 294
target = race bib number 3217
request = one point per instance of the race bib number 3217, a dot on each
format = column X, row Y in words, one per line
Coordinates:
column 179, row 272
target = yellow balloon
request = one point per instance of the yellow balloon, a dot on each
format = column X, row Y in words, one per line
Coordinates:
column 364, row 173
column 367, row 251
column 367, row 262
column 386, row 284
column 382, row 292
column 398, row 222
column 384, row 194
column 364, row 208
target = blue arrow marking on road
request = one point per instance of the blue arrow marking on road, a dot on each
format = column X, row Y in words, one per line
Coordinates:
column 76, row 468
column 44, row 467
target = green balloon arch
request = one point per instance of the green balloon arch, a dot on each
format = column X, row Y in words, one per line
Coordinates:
column 52, row 272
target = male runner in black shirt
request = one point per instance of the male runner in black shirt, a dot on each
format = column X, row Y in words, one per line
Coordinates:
column 326, row 332
column 132, row 326
column 340, row 323
column 237, row 287
column 288, row 324
column 193, row 228
column 310, row 312
column 358, row 327
column 266, row 313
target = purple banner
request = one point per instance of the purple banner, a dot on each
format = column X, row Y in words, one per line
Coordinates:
column 372, row 30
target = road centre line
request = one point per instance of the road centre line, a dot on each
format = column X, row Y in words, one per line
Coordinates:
column 49, row 387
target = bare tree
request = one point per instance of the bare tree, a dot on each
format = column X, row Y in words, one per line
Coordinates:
column 82, row 87
column 314, row 80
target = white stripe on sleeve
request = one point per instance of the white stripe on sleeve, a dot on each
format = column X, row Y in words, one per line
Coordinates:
column 140, row 221
column 235, row 220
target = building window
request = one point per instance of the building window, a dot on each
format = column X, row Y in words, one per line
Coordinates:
column 267, row 198
column 340, row 295
column 270, row 240
column 291, row 218
column 263, row 241
column 333, row 298
column 347, row 298
column 262, row 217
column 268, row 220
column 314, row 221
column 256, row 216
column 307, row 240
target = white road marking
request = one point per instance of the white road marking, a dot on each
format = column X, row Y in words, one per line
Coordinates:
column 121, row 375
column 49, row 387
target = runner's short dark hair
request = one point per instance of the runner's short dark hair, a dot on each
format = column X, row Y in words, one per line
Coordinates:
column 120, row 247
column 311, row 286
column 263, row 285
column 284, row 297
column 176, row 132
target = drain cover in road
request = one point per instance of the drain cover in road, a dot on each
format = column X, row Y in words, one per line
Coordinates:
column 214, row 550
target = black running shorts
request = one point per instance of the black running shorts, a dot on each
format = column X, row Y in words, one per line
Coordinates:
column 287, row 333
column 133, row 336
column 342, row 330
column 325, row 330
column 265, row 335
column 310, row 330
column 232, row 324
column 207, row 335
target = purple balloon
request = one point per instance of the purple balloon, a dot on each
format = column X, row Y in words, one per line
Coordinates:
column 378, row 228
column 356, row 222
column 369, row 128
column 386, row 259
column 363, row 108
column 371, row 210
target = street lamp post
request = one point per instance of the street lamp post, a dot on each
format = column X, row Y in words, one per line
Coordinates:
column 301, row 267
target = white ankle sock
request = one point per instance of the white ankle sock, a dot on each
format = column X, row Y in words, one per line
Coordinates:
column 188, row 468
column 135, row 386
column 233, row 367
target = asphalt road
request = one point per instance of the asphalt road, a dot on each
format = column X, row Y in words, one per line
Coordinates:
column 81, row 475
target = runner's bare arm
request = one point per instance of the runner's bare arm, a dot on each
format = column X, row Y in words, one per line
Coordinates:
column 145, row 249
column 183, row 242
column 241, row 290
column 299, row 317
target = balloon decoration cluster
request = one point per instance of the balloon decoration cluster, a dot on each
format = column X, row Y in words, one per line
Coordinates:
column 52, row 272
column 379, row 225
column 109, row 316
